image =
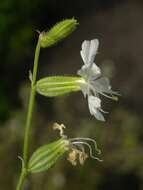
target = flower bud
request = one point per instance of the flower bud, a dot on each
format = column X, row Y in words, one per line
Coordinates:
column 58, row 32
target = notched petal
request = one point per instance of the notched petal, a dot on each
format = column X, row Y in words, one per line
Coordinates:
column 85, row 51
column 89, row 50
column 93, row 50
column 94, row 104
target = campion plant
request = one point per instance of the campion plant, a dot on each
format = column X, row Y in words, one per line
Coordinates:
column 92, row 84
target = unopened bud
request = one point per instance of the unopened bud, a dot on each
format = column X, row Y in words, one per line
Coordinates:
column 58, row 32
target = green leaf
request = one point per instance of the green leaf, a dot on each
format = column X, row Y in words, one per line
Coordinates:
column 46, row 156
column 57, row 85
column 58, row 32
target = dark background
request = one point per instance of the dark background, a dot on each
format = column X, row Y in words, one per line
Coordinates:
column 118, row 25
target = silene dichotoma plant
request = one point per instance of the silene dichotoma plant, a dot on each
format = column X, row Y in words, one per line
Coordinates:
column 89, row 80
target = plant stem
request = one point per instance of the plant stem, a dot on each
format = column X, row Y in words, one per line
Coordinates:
column 31, row 106
column 21, row 180
column 29, row 119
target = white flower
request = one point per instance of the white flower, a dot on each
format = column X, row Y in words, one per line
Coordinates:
column 91, row 83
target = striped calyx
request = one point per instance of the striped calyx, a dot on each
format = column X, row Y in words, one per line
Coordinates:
column 57, row 85
column 58, row 32
column 46, row 156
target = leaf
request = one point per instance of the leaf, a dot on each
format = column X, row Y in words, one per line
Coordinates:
column 57, row 85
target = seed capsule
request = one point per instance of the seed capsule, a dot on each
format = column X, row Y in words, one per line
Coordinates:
column 46, row 156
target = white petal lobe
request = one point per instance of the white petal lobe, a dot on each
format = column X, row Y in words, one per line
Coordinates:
column 89, row 50
column 94, row 104
column 85, row 51
column 93, row 50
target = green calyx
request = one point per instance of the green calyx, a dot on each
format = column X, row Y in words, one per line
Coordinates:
column 46, row 156
column 57, row 85
column 58, row 32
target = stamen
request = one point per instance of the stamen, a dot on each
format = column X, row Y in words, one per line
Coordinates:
column 80, row 146
column 102, row 110
column 111, row 97
column 90, row 149
column 87, row 139
column 113, row 94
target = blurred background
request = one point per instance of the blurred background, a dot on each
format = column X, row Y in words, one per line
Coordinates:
column 118, row 24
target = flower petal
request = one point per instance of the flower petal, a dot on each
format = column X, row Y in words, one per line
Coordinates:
column 85, row 51
column 90, row 72
column 102, row 85
column 94, row 72
column 94, row 104
column 89, row 50
column 93, row 50
column 94, row 101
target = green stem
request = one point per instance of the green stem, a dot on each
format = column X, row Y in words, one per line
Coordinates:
column 29, row 119
column 31, row 106
column 21, row 180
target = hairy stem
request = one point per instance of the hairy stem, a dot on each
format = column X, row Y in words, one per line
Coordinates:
column 28, row 125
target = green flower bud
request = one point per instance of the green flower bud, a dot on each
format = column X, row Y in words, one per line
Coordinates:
column 57, row 85
column 58, row 32
column 47, row 155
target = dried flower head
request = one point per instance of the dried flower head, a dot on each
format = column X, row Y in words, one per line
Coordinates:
column 77, row 147
column 61, row 128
